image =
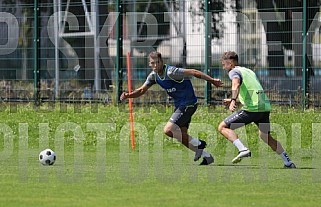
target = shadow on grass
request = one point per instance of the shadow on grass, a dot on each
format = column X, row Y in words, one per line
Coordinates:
column 258, row 167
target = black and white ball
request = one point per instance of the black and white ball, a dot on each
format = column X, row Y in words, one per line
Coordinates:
column 47, row 157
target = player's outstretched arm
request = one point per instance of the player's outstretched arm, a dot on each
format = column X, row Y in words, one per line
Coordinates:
column 198, row 74
column 235, row 93
column 136, row 93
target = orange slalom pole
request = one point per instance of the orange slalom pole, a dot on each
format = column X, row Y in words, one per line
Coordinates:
column 131, row 118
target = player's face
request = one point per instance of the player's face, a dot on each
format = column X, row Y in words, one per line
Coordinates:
column 156, row 65
column 227, row 64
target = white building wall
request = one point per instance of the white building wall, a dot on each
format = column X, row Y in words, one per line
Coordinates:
column 195, row 39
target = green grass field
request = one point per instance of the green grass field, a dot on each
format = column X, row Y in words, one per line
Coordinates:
column 96, row 166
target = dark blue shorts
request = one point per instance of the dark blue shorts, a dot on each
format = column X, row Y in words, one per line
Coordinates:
column 182, row 116
column 242, row 118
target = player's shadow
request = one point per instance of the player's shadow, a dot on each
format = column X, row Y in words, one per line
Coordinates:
column 297, row 168
column 231, row 165
column 260, row 166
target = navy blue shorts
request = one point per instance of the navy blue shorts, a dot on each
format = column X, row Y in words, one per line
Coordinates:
column 182, row 116
column 242, row 118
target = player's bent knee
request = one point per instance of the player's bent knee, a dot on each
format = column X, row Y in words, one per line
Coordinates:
column 221, row 126
column 168, row 131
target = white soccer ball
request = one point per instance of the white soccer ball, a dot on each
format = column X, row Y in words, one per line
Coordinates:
column 47, row 157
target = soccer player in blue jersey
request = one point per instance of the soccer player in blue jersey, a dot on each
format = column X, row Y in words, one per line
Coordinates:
column 177, row 84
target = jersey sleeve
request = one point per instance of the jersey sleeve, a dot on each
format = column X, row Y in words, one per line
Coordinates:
column 176, row 73
column 151, row 79
column 235, row 73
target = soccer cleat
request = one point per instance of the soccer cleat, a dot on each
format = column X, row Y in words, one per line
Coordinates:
column 241, row 155
column 207, row 160
column 292, row 165
column 199, row 151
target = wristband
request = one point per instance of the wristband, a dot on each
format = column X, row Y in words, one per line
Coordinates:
column 233, row 99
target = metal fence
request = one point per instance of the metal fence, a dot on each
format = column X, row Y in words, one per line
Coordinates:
column 63, row 50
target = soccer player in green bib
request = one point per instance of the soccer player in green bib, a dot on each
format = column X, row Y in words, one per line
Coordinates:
column 247, row 89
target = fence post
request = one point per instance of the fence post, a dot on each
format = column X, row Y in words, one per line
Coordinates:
column 119, row 52
column 304, row 53
column 36, row 58
column 208, row 51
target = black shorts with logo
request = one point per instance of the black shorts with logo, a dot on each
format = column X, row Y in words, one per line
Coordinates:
column 182, row 115
column 242, row 118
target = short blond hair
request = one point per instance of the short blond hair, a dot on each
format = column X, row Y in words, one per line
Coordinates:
column 230, row 55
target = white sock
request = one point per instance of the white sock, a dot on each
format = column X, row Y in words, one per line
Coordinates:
column 195, row 142
column 239, row 145
column 285, row 158
column 205, row 154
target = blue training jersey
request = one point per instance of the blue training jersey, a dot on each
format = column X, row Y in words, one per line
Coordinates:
column 176, row 85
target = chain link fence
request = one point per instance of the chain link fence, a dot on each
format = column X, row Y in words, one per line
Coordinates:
column 76, row 51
